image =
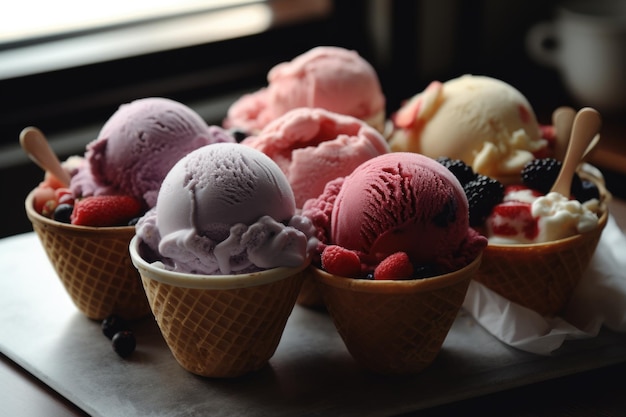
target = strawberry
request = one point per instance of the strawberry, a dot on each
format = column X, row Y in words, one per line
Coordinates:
column 41, row 196
column 514, row 218
column 103, row 211
column 337, row 260
column 395, row 266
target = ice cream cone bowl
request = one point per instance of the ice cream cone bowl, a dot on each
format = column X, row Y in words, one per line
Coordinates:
column 540, row 276
column 310, row 294
column 395, row 327
column 93, row 265
column 220, row 326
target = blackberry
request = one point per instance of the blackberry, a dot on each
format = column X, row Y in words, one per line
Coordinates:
column 483, row 193
column 463, row 172
column 63, row 213
column 541, row 174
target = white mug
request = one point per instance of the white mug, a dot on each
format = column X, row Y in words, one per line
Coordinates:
column 586, row 43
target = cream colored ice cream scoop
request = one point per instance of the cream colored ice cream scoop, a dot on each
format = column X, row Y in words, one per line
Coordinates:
column 38, row 149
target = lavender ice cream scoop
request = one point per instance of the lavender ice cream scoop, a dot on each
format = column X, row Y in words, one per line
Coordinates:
column 225, row 209
column 138, row 145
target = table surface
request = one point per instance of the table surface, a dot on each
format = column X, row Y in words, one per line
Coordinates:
column 57, row 363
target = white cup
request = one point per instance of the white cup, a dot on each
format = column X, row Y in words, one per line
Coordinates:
column 586, row 43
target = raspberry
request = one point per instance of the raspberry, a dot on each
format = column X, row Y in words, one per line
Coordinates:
column 395, row 266
column 463, row 172
column 103, row 211
column 483, row 193
column 340, row 261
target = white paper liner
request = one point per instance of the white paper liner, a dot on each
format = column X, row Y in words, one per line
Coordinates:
column 599, row 300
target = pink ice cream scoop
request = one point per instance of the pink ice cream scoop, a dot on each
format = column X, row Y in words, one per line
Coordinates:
column 222, row 209
column 332, row 78
column 314, row 146
column 398, row 202
column 138, row 145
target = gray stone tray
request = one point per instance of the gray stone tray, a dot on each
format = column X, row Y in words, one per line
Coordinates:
column 311, row 373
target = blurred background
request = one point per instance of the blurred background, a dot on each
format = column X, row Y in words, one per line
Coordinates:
column 66, row 66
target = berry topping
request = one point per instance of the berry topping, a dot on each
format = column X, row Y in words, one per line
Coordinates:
column 585, row 191
column 483, row 193
column 112, row 325
column 463, row 172
column 63, row 213
column 541, row 174
column 514, row 219
column 340, row 261
column 394, row 266
column 124, row 343
column 102, row 211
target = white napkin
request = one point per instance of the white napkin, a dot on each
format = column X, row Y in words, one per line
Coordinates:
column 599, row 300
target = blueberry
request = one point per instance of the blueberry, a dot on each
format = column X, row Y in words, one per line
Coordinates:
column 112, row 325
column 124, row 343
column 63, row 212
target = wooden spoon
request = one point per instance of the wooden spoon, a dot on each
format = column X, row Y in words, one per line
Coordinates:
column 585, row 128
column 38, row 149
column 562, row 119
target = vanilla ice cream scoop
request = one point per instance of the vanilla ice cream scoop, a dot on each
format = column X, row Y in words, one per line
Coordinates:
column 482, row 121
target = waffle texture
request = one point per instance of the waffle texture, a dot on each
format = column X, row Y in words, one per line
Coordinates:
column 93, row 265
column 395, row 327
column 220, row 326
column 310, row 295
column 542, row 276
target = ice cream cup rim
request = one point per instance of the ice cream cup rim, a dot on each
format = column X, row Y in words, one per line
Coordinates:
column 209, row 282
column 34, row 216
column 393, row 286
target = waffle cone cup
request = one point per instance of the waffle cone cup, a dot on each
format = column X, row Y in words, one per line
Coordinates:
column 310, row 294
column 540, row 276
column 395, row 327
column 220, row 326
column 93, row 266
column 543, row 276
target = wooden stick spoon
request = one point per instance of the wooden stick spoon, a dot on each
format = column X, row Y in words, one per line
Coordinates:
column 38, row 149
column 562, row 119
column 586, row 125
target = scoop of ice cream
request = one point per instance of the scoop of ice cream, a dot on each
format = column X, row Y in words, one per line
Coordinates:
column 398, row 202
column 332, row 78
column 482, row 121
column 222, row 209
column 138, row 145
column 314, row 146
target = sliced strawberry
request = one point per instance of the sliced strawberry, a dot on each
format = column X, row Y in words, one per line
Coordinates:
column 395, row 266
column 103, row 211
column 337, row 260
column 514, row 219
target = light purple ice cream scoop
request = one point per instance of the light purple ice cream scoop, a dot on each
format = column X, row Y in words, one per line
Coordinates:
column 224, row 209
column 138, row 145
